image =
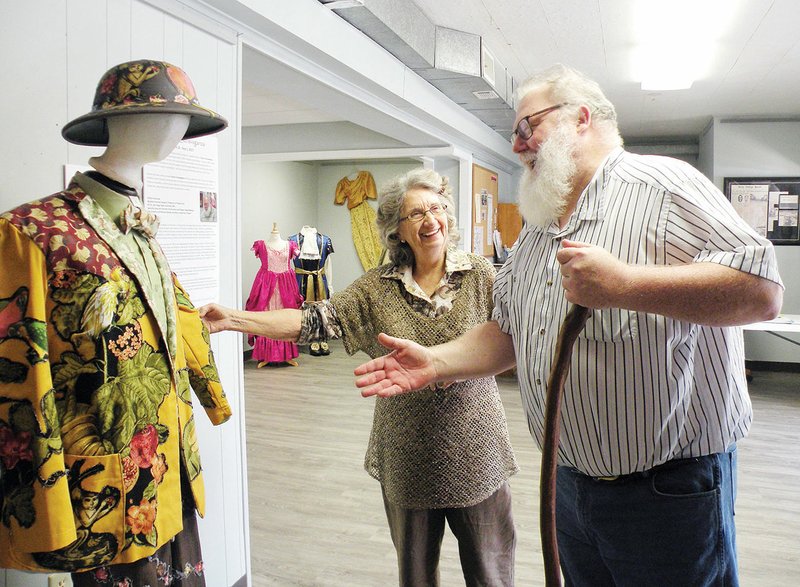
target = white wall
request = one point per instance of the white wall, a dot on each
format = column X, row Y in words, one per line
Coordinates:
column 756, row 149
column 705, row 160
column 54, row 53
column 763, row 149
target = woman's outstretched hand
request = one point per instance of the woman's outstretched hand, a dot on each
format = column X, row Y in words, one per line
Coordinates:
column 216, row 318
column 408, row 367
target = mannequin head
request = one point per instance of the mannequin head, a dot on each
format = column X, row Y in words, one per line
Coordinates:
column 274, row 240
column 137, row 139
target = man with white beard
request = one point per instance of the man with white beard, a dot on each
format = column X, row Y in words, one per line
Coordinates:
column 656, row 398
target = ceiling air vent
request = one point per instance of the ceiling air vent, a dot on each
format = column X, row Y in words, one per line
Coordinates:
column 485, row 95
column 457, row 63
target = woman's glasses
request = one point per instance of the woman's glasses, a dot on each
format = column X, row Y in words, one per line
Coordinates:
column 417, row 215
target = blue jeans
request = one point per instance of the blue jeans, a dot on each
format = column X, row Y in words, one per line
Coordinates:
column 669, row 526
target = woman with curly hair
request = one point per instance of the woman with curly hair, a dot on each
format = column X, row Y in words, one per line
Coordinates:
column 441, row 454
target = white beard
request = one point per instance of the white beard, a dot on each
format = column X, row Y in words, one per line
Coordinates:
column 543, row 190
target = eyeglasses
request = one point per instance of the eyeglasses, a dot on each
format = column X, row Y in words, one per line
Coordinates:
column 417, row 215
column 524, row 129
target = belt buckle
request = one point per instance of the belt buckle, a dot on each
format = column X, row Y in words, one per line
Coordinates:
column 608, row 478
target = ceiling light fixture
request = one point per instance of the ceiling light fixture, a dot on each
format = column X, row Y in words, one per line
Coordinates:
column 677, row 40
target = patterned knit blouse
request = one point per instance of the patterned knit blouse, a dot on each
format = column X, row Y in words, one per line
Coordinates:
column 429, row 449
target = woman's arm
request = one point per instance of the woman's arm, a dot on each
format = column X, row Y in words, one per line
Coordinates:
column 275, row 324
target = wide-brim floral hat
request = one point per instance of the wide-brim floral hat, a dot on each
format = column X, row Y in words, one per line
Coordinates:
column 142, row 86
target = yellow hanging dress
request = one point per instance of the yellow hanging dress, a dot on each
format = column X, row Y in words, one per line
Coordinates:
column 362, row 216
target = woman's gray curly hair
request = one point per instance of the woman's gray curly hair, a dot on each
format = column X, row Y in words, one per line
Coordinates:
column 390, row 208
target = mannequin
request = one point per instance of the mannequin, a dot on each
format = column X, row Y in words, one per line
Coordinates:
column 137, row 140
column 108, row 347
column 312, row 267
column 274, row 287
column 276, row 243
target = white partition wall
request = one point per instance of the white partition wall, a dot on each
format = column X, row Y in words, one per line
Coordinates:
column 54, row 53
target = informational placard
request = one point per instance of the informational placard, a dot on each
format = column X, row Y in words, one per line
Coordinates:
column 183, row 191
column 751, row 201
column 770, row 206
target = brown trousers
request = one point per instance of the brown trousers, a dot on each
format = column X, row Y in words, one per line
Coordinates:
column 485, row 534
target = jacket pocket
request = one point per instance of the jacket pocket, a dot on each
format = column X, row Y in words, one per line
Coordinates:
column 97, row 497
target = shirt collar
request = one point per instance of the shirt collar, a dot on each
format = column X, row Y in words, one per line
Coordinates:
column 591, row 203
column 455, row 260
column 110, row 201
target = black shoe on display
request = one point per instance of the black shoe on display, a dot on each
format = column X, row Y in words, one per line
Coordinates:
column 314, row 349
column 324, row 349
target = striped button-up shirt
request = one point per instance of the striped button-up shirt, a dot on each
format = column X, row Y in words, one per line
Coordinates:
column 643, row 389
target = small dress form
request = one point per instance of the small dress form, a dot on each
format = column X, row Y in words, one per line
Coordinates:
column 310, row 264
column 274, row 288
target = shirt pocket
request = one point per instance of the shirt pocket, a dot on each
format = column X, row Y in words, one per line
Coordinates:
column 611, row 325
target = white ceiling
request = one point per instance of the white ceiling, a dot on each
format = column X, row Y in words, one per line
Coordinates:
column 753, row 71
column 754, row 68
column 262, row 107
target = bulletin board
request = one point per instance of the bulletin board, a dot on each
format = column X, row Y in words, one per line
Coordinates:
column 770, row 206
column 484, row 209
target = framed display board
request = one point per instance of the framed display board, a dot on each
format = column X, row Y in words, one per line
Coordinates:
column 769, row 205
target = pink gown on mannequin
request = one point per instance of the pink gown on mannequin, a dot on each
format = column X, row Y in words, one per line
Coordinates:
column 274, row 287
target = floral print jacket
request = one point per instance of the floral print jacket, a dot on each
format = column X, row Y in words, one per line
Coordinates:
column 96, row 416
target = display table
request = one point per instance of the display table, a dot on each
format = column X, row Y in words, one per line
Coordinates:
column 783, row 323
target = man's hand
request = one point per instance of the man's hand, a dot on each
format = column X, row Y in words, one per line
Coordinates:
column 408, row 367
column 216, row 318
column 591, row 276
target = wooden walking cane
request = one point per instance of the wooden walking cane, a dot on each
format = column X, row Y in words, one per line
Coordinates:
column 570, row 329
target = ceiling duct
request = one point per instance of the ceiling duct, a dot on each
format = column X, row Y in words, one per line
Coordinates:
column 457, row 63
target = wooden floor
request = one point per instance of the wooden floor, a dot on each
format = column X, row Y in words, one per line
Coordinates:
column 316, row 518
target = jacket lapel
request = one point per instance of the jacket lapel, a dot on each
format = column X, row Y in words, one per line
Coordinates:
column 107, row 230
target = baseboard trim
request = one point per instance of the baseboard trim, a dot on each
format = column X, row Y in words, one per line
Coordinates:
column 773, row 366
